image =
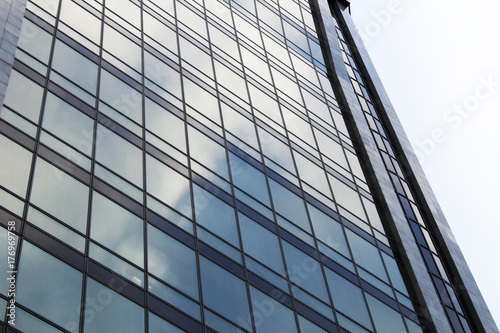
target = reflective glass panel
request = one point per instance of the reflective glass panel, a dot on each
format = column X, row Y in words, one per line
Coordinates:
column 215, row 215
column 108, row 311
column 117, row 229
column 68, row 199
column 348, row 298
column 172, row 262
column 15, row 166
column 49, row 287
column 271, row 316
column 119, row 155
column 168, row 185
column 224, row 292
column 305, row 271
column 261, row 244
column 24, row 96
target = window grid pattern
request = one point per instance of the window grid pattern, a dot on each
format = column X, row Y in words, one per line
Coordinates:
column 447, row 292
column 199, row 149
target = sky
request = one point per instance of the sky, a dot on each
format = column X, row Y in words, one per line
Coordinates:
column 439, row 63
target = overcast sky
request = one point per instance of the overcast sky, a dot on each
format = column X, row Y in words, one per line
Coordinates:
column 440, row 64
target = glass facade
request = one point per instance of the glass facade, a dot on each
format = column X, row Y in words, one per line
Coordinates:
column 186, row 166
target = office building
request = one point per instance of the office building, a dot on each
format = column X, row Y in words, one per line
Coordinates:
column 212, row 166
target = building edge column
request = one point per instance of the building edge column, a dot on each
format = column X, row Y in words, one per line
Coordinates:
column 431, row 308
column 452, row 255
column 11, row 18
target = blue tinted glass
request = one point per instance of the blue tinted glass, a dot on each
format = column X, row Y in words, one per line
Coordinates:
column 276, row 150
column 348, row 298
column 64, row 60
column 261, row 244
column 119, row 155
column 249, row 179
column 68, row 199
column 117, row 229
column 68, row 123
column 366, row 255
column 168, row 185
column 385, row 318
column 25, row 322
column 121, row 96
column 215, row 215
column 289, row 205
column 24, row 96
column 164, row 124
column 328, row 230
column 305, row 271
column 158, row 325
column 208, row 152
column 14, row 175
column 174, row 297
column 307, row 327
column 271, row 316
column 172, row 262
column 224, row 293
column 49, row 287
column 107, row 311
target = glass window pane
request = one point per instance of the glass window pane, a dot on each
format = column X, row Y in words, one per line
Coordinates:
column 119, row 155
column 24, row 96
column 348, row 298
column 68, row 123
column 385, row 318
column 240, row 126
column 14, row 170
column 224, row 293
column 122, row 48
column 231, row 81
column 208, row 152
column 26, row 322
column 130, row 12
column 107, row 311
column 366, row 255
column 289, row 205
column 305, row 271
column 168, row 185
column 158, row 325
column 347, row 197
column 174, row 297
column 249, row 179
column 165, row 125
column 81, row 20
column 328, row 230
column 35, row 40
column 309, row 327
column 196, row 57
column 271, row 316
column 172, row 262
column 276, row 150
column 162, row 74
column 215, row 215
column 121, row 96
column 162, row 35
column 201, row 100
column 261, row 244
column 68, row 199
column 312, row 174
column 64, row 60
column 49, row 287
column 126, row 237
column 265, row 104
